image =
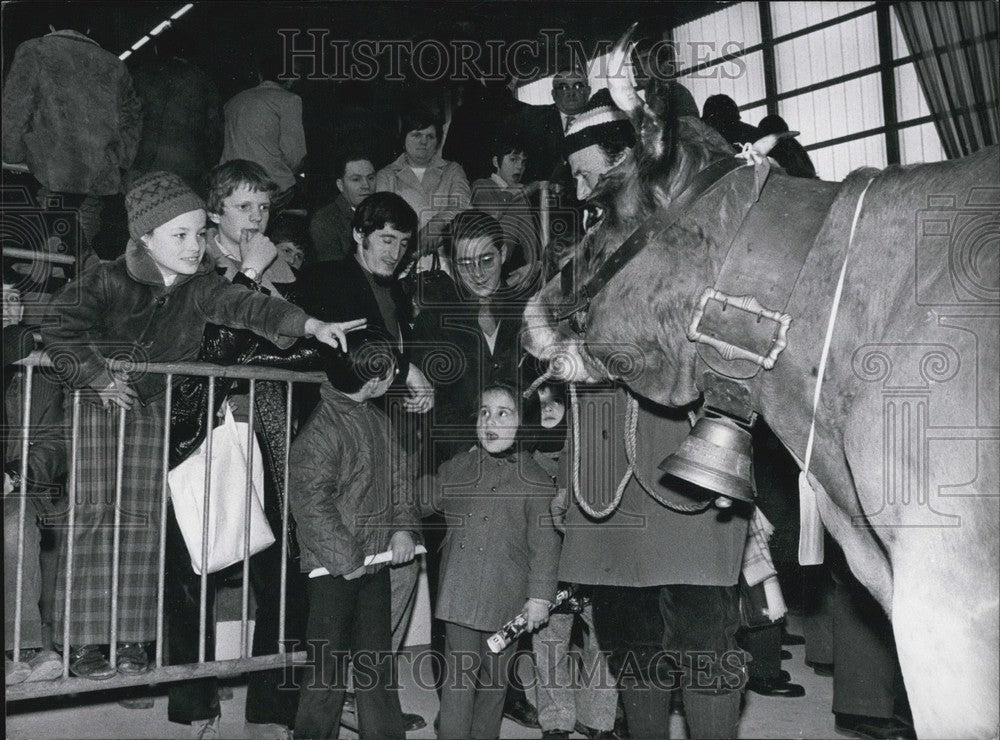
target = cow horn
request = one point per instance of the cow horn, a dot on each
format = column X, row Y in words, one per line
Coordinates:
column 622, row 86
column 768, row 142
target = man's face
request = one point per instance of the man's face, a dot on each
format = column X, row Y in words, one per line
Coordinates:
column 243, row 210
column 511, row 167
column 478, row 265
column 570, row 91
column 381, row 251
column 587, row 166
column 420, row 146
column 358, row 181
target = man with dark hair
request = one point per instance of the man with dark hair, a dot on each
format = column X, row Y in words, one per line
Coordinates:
column 331, row 225
column 721, row 113
column 365, row 284
column 264, row 125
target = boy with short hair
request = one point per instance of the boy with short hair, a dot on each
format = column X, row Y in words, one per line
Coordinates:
column 239, row 206
column 351, row 497
column 503, row 196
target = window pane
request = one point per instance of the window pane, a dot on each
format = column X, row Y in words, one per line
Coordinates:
column 741, row 79
column 787, row 17
column 910, row 101
column 920, row 144
column 837, row 162
column 835, row 111
column 828, row 53
column 724, row 31
column 753, row 115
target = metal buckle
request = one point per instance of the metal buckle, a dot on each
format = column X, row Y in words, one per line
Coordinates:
column 744, row 303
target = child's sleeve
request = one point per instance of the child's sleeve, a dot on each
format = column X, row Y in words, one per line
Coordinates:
column 405, row 510
column 232, row 305
column 315, row 464
column 69, row 341
column 544, row 545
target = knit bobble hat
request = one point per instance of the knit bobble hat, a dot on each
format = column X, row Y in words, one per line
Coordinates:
column 600, row 121
column 155, row 198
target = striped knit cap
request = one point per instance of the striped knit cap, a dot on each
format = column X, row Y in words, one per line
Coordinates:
column 155, row 198
column 598, row 122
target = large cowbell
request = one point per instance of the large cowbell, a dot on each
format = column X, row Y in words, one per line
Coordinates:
column 717, row 453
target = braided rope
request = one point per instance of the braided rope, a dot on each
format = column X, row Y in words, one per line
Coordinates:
column 631, row 431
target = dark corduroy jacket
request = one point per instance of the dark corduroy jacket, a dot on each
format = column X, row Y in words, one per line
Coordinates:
column 349, row 485
column 122, row 310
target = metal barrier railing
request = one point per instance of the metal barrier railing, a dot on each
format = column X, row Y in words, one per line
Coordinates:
column 159, row 673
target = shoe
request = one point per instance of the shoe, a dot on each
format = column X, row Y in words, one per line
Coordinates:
column 132, row 658
column 556, row 734
column 783, row 677
column 87, row 661
column 872, row 728
column 520, row 711
column 786, row 654
column 775, row 687
column 787, row 638
column 590, row 732
column 45, row 665
column 820, row 669
column 267, row 731
column 206, row 729
column 15, row 672
column 413, row 722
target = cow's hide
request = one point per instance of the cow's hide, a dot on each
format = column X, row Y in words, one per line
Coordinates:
column 907, row 430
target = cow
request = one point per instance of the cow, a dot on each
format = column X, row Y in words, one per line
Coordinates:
column 905, row 463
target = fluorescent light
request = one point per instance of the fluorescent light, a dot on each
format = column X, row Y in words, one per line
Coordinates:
column 125, row 54
column 140, row 43
column 160, row 28
column 182, row 11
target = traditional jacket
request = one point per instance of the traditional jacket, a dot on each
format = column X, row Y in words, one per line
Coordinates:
column 122, row 310
column 643, row 543
column 501, row 547
column 70, row 114
column 349, row 486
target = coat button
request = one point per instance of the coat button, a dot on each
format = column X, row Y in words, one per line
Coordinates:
column 494, row 489
column 604, row 433
column 461, row 546
column 480, row 549
column 486, row 518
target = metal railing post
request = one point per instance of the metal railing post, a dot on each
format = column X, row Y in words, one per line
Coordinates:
column 22, row 511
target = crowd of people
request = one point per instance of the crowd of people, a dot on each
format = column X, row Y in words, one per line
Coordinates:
column 407, row 291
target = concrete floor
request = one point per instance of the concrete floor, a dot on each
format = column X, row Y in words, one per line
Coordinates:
column 100, row 715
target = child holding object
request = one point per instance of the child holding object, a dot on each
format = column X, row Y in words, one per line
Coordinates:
column 150, row 305
column 351, row 497
column 500, row 557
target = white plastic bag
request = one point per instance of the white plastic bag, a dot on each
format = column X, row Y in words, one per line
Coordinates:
column 227, row 498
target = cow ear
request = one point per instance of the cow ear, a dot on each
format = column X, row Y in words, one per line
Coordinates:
column 647, row 121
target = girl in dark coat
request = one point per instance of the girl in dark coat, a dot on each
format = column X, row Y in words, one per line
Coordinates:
column 150, row 305
column 500, row 557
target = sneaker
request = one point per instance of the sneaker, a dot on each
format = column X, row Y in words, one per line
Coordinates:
column 206, row 729
column 87, row 661
column 267, row 731
column 15, row 672
column 132, row 658
column 46, row 665
column 413, row 722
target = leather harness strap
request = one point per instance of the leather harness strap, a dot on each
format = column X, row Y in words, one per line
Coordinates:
column 579, row 300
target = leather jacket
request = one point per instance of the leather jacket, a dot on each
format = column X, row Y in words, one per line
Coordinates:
column 225, row 346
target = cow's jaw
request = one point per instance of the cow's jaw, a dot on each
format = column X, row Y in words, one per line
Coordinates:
column 565, row 355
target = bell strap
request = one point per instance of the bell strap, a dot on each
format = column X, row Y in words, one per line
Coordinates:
column 809, row 511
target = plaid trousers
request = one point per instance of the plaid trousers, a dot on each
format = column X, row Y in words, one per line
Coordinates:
column 93, row 531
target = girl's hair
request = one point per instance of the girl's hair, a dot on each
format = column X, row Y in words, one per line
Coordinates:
column 226, row 177
column 473, row 224
column 508, row 388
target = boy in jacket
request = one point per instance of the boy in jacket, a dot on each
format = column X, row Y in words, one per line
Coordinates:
column 351, row 497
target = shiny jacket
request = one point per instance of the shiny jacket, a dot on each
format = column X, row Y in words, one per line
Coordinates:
column 70, row 113
column 122, row 310
column 350, row 487
column 501, row 547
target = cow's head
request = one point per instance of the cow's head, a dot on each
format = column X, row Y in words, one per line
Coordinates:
column 635, row 327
